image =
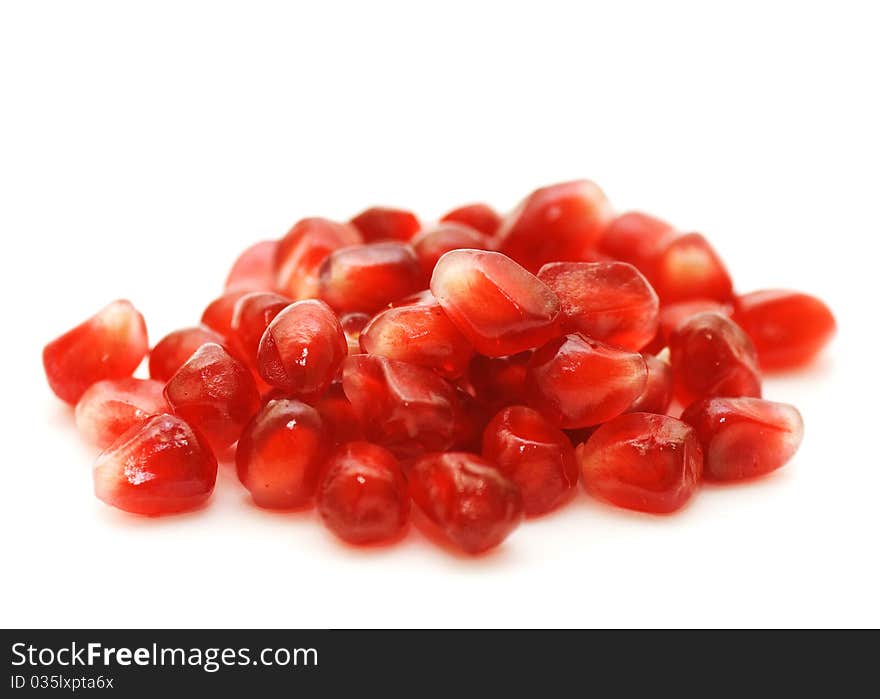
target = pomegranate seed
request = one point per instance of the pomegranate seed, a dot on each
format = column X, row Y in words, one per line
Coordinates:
column 254, row 270
column 404, row 407
column 110, row 407
column 636, row 238
column 534, row 454
column 481, row 217
column 157, row 467
column 500, row 381
column 218, row 314
column 252, row 315
column 176, row 347
column 301, row 252
column 302, row 349
column 608, row 301
column 280, row 454
column 575, row 381
column 382, row 223
column 788, row 328
column 712, row 356
column 467, row 498
column 642, row 461
column 363, row 496
column 215, row 393
column 420, row 334
column 109, row 345
column 367, row 277
column 340, row 420
column 744, row 437
column 500, row 307
column 688, row 268
column 559, row 223
column 657, row 394
column 432, row 243
column 352, row 325
column 674, row 314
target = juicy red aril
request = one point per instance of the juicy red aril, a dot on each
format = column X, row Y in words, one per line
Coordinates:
column 688, row 268
column 712, row 356
column 215, row 393
column 109, row 345
column 744, row 437
column 657, row 394
column 500, row 381
column 367, row 277
column 363, row 496
column 642, row 461
column 788, row 328
column 157, row 467
column 420, row 334
column 218, row 314
column 301, row 252
column 467, row 498
column 674, row 314
column 280, row 454
column 432, row 243
column 534, row 454
column 500, row 307
column 176, row 347
column 636, row 238
column 575, row 381
column 340, row 420
column 110, row 407
column 302, row 349
column 481, row 217
column 383, row 223
column 252, row 315
column 404, row 407
column 562, row 222
column 254, row 270
column 608, row 301
column 352, row 325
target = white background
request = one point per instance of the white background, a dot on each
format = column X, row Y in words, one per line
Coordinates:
column 142, row 145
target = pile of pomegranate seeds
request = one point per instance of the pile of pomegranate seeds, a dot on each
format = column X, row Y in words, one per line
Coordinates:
column 466, row 373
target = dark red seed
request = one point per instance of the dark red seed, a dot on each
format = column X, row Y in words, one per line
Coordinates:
column 481, row 217
column 384, row 223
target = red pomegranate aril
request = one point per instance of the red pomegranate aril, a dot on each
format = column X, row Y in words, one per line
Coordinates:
column 384, row 223
column 215, row 393
column 432, row 243
column 362, row 496
column 744, row 437
column 657, row 394
column 368, row 277
column 218, row 314
column 251, row 317
column 712, row 356
column 688, row 268
column 562, row 222
column 500, row 381
column 642, row 461
column 575, row 381
column 176, row 347
column 110, row 407
column 420, row 334
column 788, row 328
column 281, row 453
column 674, row 314
column 481, row 217
column 404, row 407
column 109, row 345
column 466, row 498
column 340, row 420
column 609, row 301
column 301, row 252
column 157, row 467
column 636, row 238
column 501, row 308
column 534, row 454
column 302, row 349
column 352, row 325
column 254, row 270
